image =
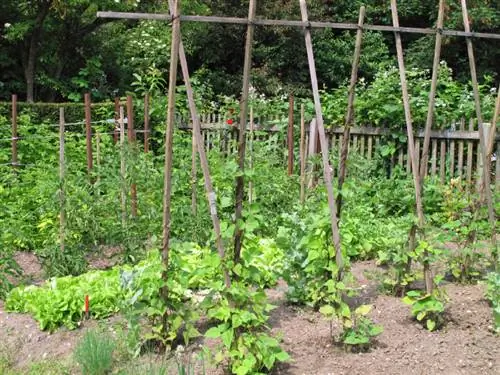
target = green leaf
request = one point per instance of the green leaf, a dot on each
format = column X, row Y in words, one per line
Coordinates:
column 363, row 310
column 421, row 315
column 213, row 333
column 327, row 310
column 431, row 324
column 227, row 337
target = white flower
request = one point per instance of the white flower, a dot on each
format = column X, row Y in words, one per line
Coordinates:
column 7, row 25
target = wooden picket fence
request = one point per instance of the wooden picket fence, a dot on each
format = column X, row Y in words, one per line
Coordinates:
column 452, row 153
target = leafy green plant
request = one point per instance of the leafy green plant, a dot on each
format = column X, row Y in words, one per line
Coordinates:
column 94, row 353
column 493, row 295
column 428, row 309
column 8, row 269
column 240, row 315
column 358, row 330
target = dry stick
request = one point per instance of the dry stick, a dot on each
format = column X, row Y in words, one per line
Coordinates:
column 486, row 190
column 169, row 134
column 203, row 157
column 62, row 214
column 324, row 147
column 88, row 132
column 240, row 180
column 131, row 142
column 290, row 134
column 123, row 189
column 349, row 119
column 250, row 184
column 193, row 175
column 302, row 155
column 432, row 94
column 146, row 123
column 14, row 131
column 411, row 143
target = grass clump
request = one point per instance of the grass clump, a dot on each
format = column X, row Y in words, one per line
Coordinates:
column 94, row 353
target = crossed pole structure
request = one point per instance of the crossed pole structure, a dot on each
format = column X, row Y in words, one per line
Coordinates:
column 419, row 167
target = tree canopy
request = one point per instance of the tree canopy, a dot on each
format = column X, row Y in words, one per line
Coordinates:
column 53, row 50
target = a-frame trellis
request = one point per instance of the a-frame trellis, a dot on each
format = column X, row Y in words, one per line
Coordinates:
column 418, row 166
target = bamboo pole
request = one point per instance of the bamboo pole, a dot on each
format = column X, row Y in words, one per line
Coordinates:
column 432, row 93
column 302, row 155
column 62, row 168
column 240, row 180
column 14, row 131
column 485, row 190
column 349, row 119
column 324, row 146
column 290, row 134
column 212, row 201
column 123, row 192
column 88, row 132
column 411, row 143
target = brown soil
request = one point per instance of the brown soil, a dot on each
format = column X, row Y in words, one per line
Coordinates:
column 466, row 345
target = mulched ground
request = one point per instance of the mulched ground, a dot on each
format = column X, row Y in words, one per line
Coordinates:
column 466, row 345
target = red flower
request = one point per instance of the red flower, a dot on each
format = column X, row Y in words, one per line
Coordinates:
column 229, row 121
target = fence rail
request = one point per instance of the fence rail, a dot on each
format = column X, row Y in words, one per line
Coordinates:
column 453, row 152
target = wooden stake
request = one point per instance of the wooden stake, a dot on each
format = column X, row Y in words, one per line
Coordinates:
column 493, row 128
column 88, row 132
column 146, row 123
column 169, row 134
column 212, row 201
column 14, row 131
column 194, row 203
column 131, row 142
column 429, row 285
column 116, row 130
column 98, row 159
column 432, row 94
column 349, row 119
column 324, row 146
column 302, row 155
column 485, row 190
column 290, row 134
column 62, row 199
column 240, row 180
column 123, row 189
column 250, row 184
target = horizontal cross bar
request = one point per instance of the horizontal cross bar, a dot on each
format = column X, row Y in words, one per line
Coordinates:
column 312, row 24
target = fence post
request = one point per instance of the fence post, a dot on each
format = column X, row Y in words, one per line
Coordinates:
column 14, row 131
column 62, row 215
column 88, row 132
